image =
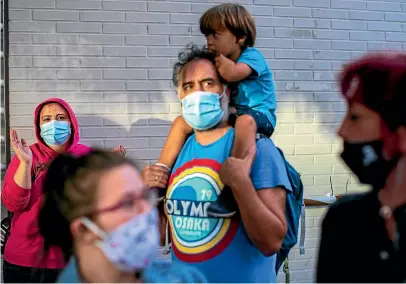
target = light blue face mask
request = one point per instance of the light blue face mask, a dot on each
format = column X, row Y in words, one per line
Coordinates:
column 55, row 132
column 202, row 110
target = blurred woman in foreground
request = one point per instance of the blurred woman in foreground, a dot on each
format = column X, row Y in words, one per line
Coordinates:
column 99, row 212
column 364, row 235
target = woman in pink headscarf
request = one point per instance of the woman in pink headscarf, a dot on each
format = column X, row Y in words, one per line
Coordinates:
column 57, row 131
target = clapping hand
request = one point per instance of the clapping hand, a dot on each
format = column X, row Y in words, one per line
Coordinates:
column 21, row 148
column 120, row 149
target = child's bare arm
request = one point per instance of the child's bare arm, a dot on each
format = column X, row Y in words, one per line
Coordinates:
column 176, row 139
column 231, row 71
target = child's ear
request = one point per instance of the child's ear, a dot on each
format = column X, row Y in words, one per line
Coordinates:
column 241, row 40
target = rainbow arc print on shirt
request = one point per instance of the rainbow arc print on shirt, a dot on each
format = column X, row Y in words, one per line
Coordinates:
column 195, row 236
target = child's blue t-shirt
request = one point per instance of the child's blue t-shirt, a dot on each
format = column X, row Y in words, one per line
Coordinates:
column 256, row 92
column 218, row 247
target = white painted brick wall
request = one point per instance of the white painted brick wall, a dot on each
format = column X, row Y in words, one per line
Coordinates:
column 112, row 61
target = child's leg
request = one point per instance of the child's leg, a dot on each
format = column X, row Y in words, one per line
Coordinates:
column 246, row 127
column 176, row 139
column 245, row 135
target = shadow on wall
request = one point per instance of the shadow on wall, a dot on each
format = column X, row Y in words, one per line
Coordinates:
column 309, row 114
column 143, row 139
column 133, row 125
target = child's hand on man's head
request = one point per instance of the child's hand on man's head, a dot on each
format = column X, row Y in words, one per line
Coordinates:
column 224, row 65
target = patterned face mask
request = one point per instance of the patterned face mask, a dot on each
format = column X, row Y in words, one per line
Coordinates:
column 133, row 245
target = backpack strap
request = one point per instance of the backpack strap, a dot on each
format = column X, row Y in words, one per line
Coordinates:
column 167, row 247
column 286, row 269
column 260, row 136
column 302, row 229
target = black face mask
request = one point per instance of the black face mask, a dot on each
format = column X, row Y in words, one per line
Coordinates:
column 367, row 163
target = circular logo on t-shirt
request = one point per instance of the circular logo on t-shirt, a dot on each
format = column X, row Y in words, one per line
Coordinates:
column 196, row 236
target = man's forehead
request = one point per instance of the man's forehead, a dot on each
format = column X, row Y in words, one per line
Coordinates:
column 198, row 70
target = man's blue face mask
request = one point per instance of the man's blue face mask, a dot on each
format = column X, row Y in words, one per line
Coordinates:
column 55, row 132
column 202, row 110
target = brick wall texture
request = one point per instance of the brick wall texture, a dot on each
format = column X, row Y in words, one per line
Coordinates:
column 112, row 61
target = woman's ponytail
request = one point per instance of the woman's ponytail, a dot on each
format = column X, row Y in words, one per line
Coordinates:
column 53, row 225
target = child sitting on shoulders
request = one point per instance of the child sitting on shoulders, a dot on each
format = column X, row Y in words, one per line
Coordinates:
column 230, row 33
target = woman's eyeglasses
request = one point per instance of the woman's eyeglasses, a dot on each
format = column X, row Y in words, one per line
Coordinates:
column 130, row 202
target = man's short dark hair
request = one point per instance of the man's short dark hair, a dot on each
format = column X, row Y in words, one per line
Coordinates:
column 190, row 53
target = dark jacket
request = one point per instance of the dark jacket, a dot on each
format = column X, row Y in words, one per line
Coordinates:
column 354, row 245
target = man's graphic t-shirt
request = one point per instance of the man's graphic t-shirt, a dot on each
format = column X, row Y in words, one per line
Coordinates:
column 218, row 247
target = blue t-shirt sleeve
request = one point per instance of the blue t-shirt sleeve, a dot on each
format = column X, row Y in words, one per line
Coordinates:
column 172, row 272
column 70, row 273
column 269, row 170
column 254, row 59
